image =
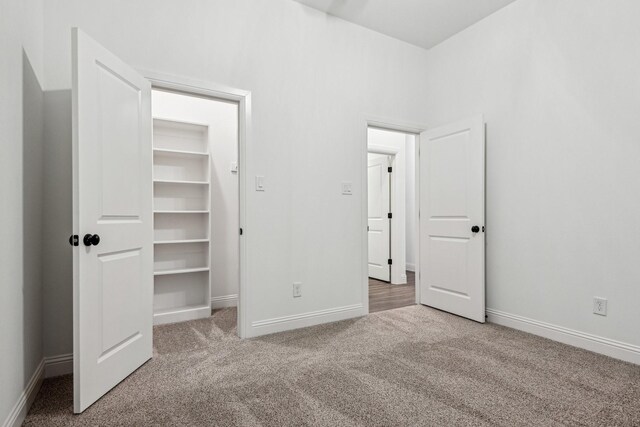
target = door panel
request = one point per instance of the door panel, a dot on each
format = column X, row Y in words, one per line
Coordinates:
column 451, row 202
column 112, row 198
column 119, row 134
column 379, row 223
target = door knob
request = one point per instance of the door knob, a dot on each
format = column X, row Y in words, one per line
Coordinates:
column 91, row 239
column 475, row 229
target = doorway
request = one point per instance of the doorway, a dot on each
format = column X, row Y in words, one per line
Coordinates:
column 195, row 205
column 391, row 221
column 449, row 209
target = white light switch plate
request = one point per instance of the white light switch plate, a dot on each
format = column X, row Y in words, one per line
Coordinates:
column 347, row 188
column 259, row 183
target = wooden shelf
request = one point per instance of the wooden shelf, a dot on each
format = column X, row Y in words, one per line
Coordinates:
column 180, row 271
column 174, row 242
column 181, row 314
column 180, row 212
column 170, row 181
column 181, row 309
column 172, row 152
column 182, row 239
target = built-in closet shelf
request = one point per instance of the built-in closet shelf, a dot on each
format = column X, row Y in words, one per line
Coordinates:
column 181, row 314
column 169, row 181
column 180, row 212
column 182, row 220
column 175, row 242
column 178, row 153
column 180, row 271
column 181, row 309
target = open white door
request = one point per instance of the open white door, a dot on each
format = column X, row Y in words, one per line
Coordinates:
column 452, row 218
column 113, row 264
column 379, row 222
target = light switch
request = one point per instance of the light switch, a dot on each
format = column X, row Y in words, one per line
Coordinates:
column 259, row 183
column 347, row 188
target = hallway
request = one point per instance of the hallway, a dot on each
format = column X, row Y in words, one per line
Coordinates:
column 384, row 296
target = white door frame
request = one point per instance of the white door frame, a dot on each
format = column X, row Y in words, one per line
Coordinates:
column 190, row 86
column 393, row 125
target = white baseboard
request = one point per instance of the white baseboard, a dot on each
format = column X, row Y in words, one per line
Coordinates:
column 224, row 301
column 286, row 323
column 606, row 346
column 411, row 267
column 26, row 398
column 55, row 366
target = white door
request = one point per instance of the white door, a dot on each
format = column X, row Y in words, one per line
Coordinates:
column 452, row 218
column 113, row 273
column 379, row 222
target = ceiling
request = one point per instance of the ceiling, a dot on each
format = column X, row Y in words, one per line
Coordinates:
column 424, row 23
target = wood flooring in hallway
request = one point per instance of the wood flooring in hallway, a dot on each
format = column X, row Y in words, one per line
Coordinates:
column 384, row 296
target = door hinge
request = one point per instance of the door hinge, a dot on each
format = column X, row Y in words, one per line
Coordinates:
column 389, row 215
column 241, row 231
column 74, row 240
column 389, row 169
column 390, row 261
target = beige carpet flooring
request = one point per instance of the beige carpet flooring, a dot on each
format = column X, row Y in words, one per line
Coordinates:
column 412, row 366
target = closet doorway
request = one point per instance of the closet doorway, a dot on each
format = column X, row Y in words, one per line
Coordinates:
column 195, row 205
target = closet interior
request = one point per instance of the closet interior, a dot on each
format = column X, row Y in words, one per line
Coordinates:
column 182, row 228
column 196, row 205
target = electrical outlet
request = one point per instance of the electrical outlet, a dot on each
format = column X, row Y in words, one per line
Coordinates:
column 600, row 306
column 297, row 289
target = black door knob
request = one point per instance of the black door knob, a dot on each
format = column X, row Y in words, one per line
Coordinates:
column 475, row 229
column 91, row 239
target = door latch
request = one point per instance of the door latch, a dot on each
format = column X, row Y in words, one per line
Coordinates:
column 74, row 240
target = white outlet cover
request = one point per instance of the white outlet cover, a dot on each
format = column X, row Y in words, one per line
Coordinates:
column 600, row 306
column 297, row 289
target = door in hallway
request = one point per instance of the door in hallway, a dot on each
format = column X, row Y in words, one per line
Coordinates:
column 379, row 224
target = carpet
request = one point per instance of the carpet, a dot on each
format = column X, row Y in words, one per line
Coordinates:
column 412, row 366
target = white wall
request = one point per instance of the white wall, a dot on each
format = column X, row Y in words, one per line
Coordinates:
column 396, row 141
column 21, row 121
column 559, row 85
column 57, row 253
column 222, row 119
column 313, row 79
column 411, row 224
